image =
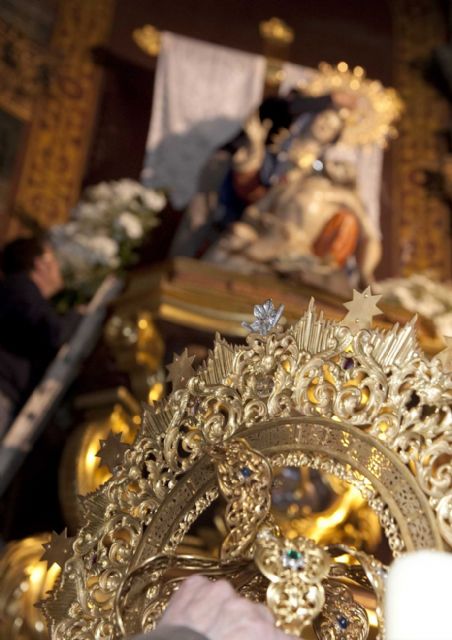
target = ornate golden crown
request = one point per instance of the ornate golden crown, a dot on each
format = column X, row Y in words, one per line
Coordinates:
column 377, row 108
column 361, row 404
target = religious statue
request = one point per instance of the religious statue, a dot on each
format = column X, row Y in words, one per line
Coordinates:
column 242, row 170
column 311, row 219
column 290, row 196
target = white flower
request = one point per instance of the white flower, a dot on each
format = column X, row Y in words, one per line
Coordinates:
column 106, row 249
column 74, row 258
column 100, row 249
column 93, row 212
column 126, row 190
column 153, row 200
column 130, row 225
column 109, row 214
column 61, row 232
column 101, row 191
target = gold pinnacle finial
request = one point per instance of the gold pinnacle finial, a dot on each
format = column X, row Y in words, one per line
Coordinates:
column 276, row 30
column 148, row 38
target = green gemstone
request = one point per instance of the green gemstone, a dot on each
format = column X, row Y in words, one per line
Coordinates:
column 293, row 554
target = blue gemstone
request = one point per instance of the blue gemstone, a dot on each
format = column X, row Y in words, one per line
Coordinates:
column 348, row 363
column 246, row 472
column 342, row 622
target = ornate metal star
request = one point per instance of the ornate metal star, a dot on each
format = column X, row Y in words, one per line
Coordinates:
column 58, row 550
column 361, row 310
column 111, row 451
column 445, row 356
column 180, row 370
column 267, row 317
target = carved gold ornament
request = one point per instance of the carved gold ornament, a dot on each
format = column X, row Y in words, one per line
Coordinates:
column 25, row 579
column 63, row 117
column 276, row 30
column 365, row 406
column 89, row 455
column 376, row 110
column 148, row 38
column 299, row 571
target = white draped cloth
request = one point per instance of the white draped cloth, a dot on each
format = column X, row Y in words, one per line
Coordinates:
column 202, row 95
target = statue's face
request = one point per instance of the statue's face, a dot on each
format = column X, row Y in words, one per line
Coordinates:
column 326, row 126
column 341, row 171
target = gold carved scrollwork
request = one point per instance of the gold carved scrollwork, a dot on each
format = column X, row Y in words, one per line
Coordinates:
column 341, row 605
column 24, row 67
column 368, row 408
column 244, row 478
column 421, row 220
column 296, row 570
column 25, row 579
column 59, row 138
column 148, row 38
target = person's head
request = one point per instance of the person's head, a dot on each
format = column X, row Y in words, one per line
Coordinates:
column 35, row 257
column 327, row 126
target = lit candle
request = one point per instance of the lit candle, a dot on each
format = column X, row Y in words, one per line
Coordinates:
column 418, row 603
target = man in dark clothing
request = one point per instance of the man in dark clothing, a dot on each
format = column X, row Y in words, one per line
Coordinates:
column 31, row 331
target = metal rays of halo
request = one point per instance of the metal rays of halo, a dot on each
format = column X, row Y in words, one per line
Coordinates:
column 378, row 107
column 378, row 382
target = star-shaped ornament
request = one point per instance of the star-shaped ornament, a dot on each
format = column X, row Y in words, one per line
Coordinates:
column 266, row 318
column 58, row 550
column 112, row 451
column 361, row 310
column 180, row 370
column 445, row 356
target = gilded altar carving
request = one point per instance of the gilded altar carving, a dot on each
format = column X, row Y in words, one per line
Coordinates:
column 420, row 231
column 24, row 66
column 25, row 580
column 62, row 117
column 365, row 406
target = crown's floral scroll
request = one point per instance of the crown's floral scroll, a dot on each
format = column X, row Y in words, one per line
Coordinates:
column 366, row 406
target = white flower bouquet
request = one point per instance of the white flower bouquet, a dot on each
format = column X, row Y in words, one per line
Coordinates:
column 105, row 230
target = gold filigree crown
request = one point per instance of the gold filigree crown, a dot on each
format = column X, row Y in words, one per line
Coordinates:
column 361, row 404
column 377, row 107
